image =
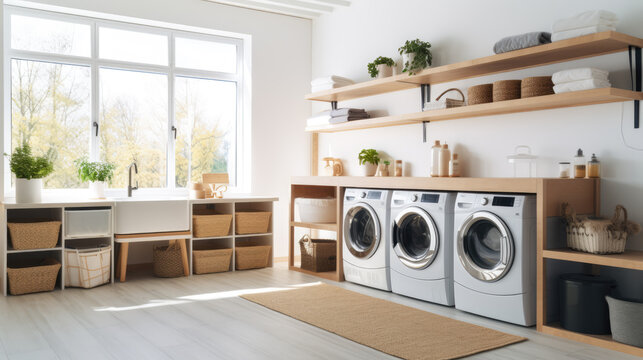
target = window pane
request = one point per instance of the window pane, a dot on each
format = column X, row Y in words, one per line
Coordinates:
column 206, row 55
column 50, row 109
column 51, row 36
column 133, row 114
column 132, row 46
column 206, row 122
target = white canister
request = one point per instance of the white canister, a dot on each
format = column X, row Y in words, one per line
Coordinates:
column 28, row 191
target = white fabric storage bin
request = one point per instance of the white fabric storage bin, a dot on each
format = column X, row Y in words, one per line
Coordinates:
column 88, row 223
column 88, row 268
column 316, row 210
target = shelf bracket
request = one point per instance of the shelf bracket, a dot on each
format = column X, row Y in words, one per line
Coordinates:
column 333, row 105
column 424, row 123
column 635, row 77
column 425, row 90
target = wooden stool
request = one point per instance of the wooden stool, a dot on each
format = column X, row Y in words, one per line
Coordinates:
column 126, row 239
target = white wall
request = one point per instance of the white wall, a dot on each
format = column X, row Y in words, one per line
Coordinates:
column 346, row 40
column 281, row 67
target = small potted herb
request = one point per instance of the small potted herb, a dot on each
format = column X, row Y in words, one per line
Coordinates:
column 369, row 159
column 29, row 171
column 98, row 173
column 415, row 56
column 381, row 67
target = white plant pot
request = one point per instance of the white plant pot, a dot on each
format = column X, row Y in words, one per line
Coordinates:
column 97, row 189
column 28, row 191
column 407, row 58
column 384, row 70
column 369, row 169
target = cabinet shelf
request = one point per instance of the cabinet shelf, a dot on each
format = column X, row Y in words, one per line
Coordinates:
column 570, row 99
column 604, row 341
column 630, row 259
column 14, row 251
column 570, row 49
column 316, row 226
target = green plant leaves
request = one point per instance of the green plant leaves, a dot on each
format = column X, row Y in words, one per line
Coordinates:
column 423, row 56
column 27, row 166
column 368, row 156
column 382, row 60
column 94, row 171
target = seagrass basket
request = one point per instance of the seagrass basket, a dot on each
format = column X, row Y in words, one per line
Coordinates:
column 251, row 257
column 480, row 94
column 318, row 255
column 211, row 225
column 211, row 261
column 506, row 90
column 536, row 86
column 252, row 222
column 31, row 277
column 168, row 262
column 34, row 234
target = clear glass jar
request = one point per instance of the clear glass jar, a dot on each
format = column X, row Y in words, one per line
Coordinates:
column 580, row 166
column 593, row 167
column 563, row 169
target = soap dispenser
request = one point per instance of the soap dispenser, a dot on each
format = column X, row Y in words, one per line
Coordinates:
column 435, row 159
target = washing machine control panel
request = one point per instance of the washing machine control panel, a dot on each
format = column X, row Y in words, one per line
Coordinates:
column 484, row 201
column 362, row 194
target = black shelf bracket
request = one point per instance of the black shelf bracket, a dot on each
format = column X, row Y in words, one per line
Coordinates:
column 424, row 124
column 635, row 77
column 425, row 92
column 333, row 105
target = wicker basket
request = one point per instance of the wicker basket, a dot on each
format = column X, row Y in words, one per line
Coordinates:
column 32, row 277
column 252, row 222
column 211, row 225
column 598, row 235
column 34, row 235
column 168, row 261
column 480, row 94
column 251, row 257
column 88, row 268
column 506, row 90
column 536, row 86
column 318, row 255
column 211, row 261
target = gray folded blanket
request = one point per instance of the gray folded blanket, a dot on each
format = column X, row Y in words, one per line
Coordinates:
column 522, row 41
column 347, row 111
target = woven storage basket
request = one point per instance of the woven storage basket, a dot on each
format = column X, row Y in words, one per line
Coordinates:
column 88, row 268
column 536, row 86
column 32, row 277
column 318, row 255
column 251, row 257
column 211, row 261
column 211, row 225
column 598, row 235
column 480, row 94
column 168, row 261
column 252, row 222
column 34, row 235
column 506, row 90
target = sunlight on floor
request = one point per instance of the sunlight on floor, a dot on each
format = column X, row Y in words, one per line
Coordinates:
column 203, row 297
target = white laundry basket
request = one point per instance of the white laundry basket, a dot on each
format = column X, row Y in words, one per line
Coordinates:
column 88, row 268
column 316, row 210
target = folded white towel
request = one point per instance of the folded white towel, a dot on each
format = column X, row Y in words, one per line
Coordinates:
column 581, row 85
column 585, row 19
column 331, row 79
column 562, row 35
column 579, row 74
column 326, row 87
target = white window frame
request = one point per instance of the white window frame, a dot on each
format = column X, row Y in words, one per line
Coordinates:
column 240, row 170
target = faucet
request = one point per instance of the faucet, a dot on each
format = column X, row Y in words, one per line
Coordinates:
column 129, row 183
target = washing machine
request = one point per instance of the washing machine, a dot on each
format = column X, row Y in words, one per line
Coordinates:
column 421, row 253
column 495, row 256
column 366, row 237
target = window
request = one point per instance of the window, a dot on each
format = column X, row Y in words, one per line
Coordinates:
column 166, row 99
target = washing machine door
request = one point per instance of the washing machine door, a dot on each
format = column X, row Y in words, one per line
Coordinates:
column 362, row 230
column 415, row 238
column 485, row 246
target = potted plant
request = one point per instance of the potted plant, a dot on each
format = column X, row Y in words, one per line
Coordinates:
column 29, row 171
column 415, row 56
column 369, row 159
column 381, row 67
column 97, row 173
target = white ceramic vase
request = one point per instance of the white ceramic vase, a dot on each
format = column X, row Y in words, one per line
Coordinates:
column 28, row 191
column 369, row 169
column 97, row 189
column 384, row 70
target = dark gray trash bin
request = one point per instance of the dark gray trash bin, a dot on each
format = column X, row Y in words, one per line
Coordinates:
column 582, row 303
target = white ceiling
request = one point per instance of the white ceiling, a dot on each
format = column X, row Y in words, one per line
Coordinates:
column 308, row 9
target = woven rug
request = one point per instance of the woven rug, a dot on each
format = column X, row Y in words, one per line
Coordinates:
column 392, row 328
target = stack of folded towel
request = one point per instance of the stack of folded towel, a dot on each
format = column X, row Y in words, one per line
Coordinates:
column 579, row 79
column 329, row 82
column 588, row 22
column 522, row 41
column 337, row 116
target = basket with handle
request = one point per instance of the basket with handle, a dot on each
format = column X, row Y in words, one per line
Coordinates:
column 598, row 235
column 88, row 268
column 445, row 103
column 318, row 255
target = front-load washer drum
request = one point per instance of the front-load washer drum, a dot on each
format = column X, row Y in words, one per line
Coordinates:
column 415, row 238
column 485, row 246
column 362, row 230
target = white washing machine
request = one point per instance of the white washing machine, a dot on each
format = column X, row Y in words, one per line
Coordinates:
column 366, row 240
column 495, row 256
column 422, row 245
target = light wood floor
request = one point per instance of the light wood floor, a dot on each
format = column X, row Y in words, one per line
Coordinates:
column 202, row 317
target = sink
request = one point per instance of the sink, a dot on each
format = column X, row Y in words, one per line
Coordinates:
column 137, row 215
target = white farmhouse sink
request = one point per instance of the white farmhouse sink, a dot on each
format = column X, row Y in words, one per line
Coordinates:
column 137, row 215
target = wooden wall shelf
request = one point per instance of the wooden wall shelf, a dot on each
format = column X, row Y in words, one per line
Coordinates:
column 630, row 259
column 571, row 49
column 571, row 99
